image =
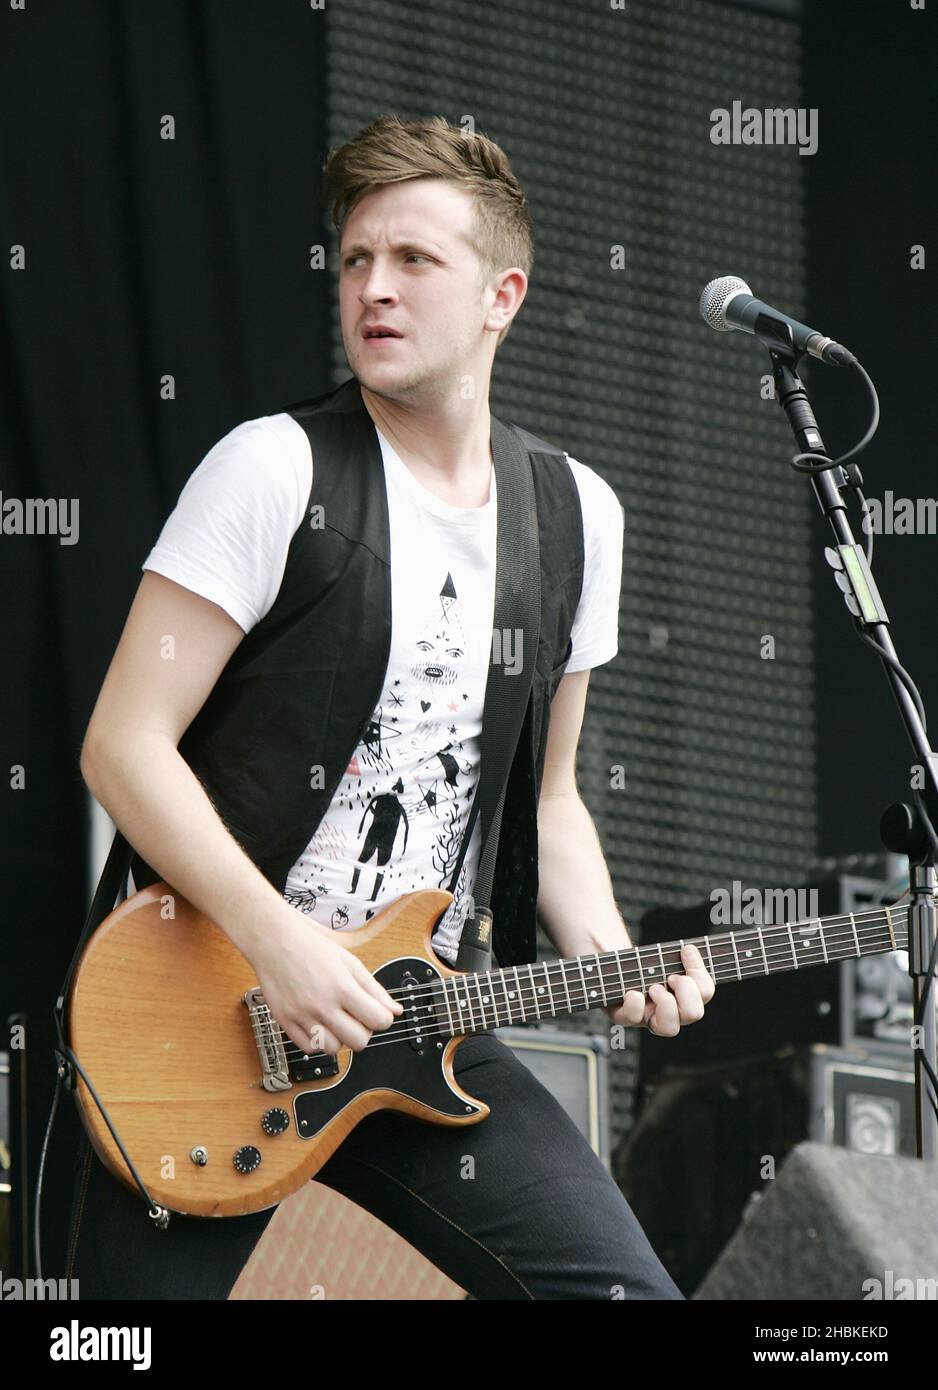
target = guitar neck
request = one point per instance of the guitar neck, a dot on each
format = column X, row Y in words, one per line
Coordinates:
column 546, row 989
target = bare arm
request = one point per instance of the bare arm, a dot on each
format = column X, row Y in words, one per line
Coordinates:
column 575, row 902
column 173, row 648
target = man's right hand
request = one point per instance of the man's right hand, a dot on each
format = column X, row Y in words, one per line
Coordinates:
column 321, row 994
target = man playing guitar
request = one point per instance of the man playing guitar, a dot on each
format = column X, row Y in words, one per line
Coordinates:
column 435, row 254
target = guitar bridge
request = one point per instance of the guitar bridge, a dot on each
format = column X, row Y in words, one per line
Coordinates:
column 275, row 1074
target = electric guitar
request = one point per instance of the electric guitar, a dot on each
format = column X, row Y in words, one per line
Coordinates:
column 222, row 1114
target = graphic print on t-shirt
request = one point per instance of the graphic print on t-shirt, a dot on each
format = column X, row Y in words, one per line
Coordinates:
column 410, row 774
column 228, row 539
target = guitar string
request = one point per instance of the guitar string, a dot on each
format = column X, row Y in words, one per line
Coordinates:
column 712, row 942
column 526, row 991
column 403, row 1029
column 775, row 950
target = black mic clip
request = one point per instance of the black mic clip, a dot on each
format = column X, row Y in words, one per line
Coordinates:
column 777, row 337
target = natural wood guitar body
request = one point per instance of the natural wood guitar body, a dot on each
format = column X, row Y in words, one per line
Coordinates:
column 157, row 1017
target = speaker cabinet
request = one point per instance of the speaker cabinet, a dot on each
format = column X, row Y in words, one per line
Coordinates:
column 835, row 1225
column 706, row 1135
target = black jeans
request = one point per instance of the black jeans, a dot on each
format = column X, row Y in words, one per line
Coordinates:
column 535, row 1215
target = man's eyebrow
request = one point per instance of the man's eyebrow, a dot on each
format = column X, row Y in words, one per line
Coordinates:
column 414, row 244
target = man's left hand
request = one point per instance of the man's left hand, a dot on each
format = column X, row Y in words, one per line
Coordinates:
column 665, row 1009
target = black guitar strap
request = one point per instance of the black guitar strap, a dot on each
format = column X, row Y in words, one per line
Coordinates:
column 515, row 633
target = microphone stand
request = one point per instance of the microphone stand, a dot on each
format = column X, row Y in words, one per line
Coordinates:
column 901, row 828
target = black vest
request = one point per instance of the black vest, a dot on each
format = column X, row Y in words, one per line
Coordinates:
column 274, row 737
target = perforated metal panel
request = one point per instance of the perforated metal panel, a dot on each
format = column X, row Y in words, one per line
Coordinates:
column 605, row 115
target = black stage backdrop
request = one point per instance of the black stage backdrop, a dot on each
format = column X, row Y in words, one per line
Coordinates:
column 163, row 292
column 872, row 198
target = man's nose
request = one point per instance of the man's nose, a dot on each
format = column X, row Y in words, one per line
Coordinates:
column 379, row 284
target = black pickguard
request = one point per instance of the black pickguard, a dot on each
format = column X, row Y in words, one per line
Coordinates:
column 406, row 1065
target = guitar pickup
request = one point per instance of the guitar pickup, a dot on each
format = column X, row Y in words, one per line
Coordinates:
column 315, row 1067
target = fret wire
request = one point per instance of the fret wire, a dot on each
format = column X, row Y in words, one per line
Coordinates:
column 472, row 1020
column 507, row 997
column 602, row 982
column 736, row 954
column 641, row 973
column 520, row 994
column 471, row 1007
column 566, row 984
column 579, row 962
column 481, row 1000
column 459, row 1005
column 548, row 986
column 589, row 990
column 621, row 976
column 765, row 959
column 535, row 988
column 537, row 1009
column 494, row 999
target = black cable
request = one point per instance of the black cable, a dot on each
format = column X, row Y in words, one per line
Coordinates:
column 155, row 1209
column 37, row 1244
column 821, row 463
column 919, row 1016
column 899, row 669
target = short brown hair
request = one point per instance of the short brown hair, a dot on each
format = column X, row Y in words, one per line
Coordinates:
column 391, row 150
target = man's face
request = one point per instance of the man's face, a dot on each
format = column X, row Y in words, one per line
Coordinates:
column 406, row 262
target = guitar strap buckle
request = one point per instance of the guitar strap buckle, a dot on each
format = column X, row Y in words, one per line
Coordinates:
column 475, row 943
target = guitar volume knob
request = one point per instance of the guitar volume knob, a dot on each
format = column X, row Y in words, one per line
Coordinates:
column 275, row 1121
column 247, row 1158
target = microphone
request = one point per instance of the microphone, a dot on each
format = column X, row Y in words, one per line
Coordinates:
column 728, row 303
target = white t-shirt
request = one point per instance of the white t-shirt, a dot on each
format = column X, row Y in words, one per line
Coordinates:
column 396, row 819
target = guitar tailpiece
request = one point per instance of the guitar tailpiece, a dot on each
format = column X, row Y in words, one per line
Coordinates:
column 159, row 1216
